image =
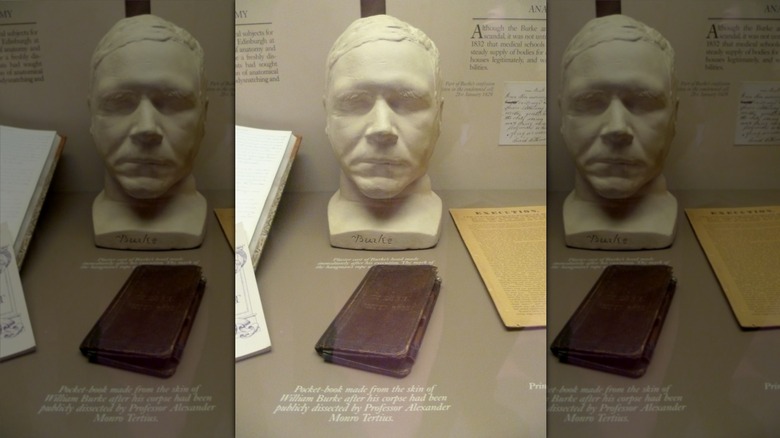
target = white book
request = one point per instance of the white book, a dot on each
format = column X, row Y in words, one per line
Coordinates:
column 27, row 161
column 263, row 161
column 251, row 329
column 16, row 334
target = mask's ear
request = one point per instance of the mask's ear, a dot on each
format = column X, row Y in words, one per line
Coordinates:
column 439, row 116
column 89, row 107
column 327, row 120
column 203, row 117
column 560, row 108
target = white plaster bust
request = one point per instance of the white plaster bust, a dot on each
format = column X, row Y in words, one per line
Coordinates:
column 383, row 103
column 619, row 105
column 148, row 104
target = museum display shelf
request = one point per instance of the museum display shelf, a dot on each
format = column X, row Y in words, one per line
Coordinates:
column 707, row 377
column 472, row 377
column 68, row 283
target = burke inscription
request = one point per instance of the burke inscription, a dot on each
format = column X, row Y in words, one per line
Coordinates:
column 377, row 240
column 616, row 239
column 137, row 240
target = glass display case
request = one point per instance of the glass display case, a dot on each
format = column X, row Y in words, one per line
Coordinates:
column 500, row 145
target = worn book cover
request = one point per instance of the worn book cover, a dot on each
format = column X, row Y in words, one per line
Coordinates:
column 146, row 326
column 616, row 327
column 381, row 327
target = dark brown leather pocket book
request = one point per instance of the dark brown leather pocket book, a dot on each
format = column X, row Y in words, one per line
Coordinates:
column 146, row 326
column 616, row 327
column 382, row 325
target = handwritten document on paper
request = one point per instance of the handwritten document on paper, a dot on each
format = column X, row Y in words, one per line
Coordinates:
column 758, row 114
column 16, row 335
column 524, row 120
column 509, row 247
column 743, row 248
column 251, row 329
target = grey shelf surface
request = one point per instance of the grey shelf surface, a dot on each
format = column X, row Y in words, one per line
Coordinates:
column 721, row 374
column 68, row 283
column 483, row 371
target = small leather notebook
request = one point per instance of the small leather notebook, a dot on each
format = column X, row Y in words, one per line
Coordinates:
column 147, row 324
column 382, row 325
column 616, row 327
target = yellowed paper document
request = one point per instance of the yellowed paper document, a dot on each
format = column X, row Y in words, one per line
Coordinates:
column 227, row 220
column 509, row 248
column 743, row 248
